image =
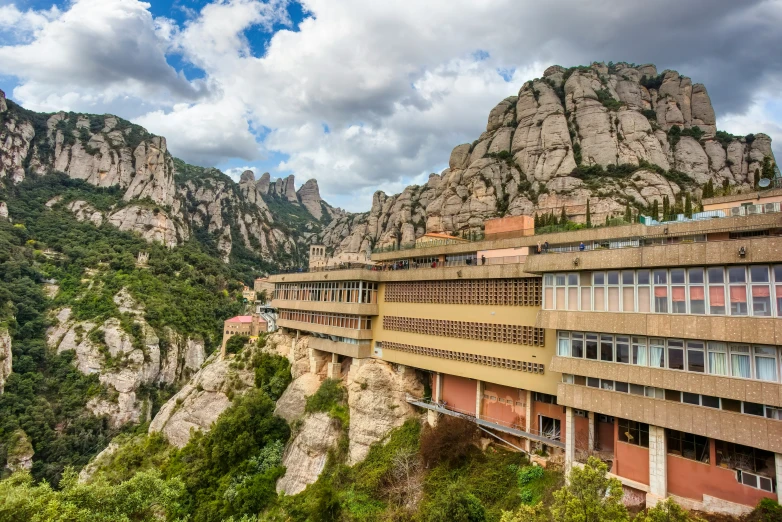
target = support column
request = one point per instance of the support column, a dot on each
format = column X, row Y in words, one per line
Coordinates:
column 570, row 439
column 658, row 466
column 778, row 462
column 437, row 389
column 591, row 447
column 334, row 368
column 479, row 400
column 528, row 419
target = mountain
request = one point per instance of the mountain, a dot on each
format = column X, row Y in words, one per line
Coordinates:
column 616, row 135
column 267, row 224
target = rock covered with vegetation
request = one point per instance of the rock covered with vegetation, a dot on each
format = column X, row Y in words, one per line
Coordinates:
column 613, row 135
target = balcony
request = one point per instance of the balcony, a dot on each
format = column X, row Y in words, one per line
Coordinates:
column 739, row 428
column 327, row 306
column 760, row 392
column 324, row 329
column 753, row 330
column 358, row 351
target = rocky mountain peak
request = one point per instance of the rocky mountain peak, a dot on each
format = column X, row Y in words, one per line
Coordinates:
column 263, row 183
column 247, row 177
column 309, row 195
column 284, row 188
column 3, row 105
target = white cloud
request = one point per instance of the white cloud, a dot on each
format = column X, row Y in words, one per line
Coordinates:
column 25, row 25
column 366, row 94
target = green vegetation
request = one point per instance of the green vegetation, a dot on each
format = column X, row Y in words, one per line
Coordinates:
column 652, row 82
column 272, row 374
column 236, row 343
column 608, row 101
column 330, row 398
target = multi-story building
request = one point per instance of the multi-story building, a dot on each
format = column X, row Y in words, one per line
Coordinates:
column 655, row 348
column 248, row 325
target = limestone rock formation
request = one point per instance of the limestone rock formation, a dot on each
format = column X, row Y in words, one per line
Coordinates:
column 5, row 357
column 3, row 210
column 263, row 183
column 284, row 188
column 306, row 454
column 377, row 394
column 20, row 452
column 309, row 195
column 290, row 405
column 540, row 146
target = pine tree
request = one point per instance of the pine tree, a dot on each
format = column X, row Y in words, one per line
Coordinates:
column 563, row 217
column 628, row 213
column 589, row 216
column 655, row 210
column 688, row 206
column 725, row 187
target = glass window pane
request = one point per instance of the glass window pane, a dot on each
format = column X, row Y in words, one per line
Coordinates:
column 675, row 355
column 738, row 300
column 561, row 298
column 628, row 299
column 691, row 398
column 613, row 298
column 586, row 299
column 622, row 350
column 739, row 362
column 695, row 360
column 621, row 387
column 778, row 273
column 627, row 277
column 677, row 276
column 716, row 275
column 606, row 348
column 751, row 408
column 600, row 304
column 758, row 274
column 636, row 389
column 643, row 277
column 697, row 300
column 710, row 402
column 572, row 296
column 548, row 298
column 766, row 368
column 591, row 347
column 717, row 300
column 696, row 276
column 613, row 277
column 656, row 353
column 644, row 296
column 660, row 277
column 661, row 299
column 593, row 382
column 761, row 301
column 563, row 345
column 577, row 346
column 560, row 279
column 678, row 300
column 673, row 395
column 598, row 278
column 737, row 274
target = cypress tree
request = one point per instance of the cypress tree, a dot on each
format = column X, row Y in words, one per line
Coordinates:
column 589, row 216
column 725, row 187
column 666, row 208
column 563, row 217
column 537, row 221
column 688, row 206
column 708, row 190
column 628, row 213
column 768, row 168
column 655, row 210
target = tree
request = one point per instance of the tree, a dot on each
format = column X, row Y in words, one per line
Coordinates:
column 590, row 496
column 236, row 343
column 688, row 206
column 628, row 213
column 563, row 217
column 668, row 511
column 655, row 210
column 525, row 513
column 708, row 190
column 768, row 168
column 666, row 208
column 588, row 216
column 725, row 187
column 537, row 220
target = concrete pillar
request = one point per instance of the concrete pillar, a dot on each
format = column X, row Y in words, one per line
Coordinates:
column 479, row 400
column 658, row 468
column 437, row 392
column 334, row 368
column 778, row 462
column 528, row 419
column 591, row 416
column 570, row 438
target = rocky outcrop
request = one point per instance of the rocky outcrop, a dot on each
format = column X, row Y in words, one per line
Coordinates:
column 285, row 189
column 291, row 404
column 377, row 394
column 123, row 362
column 263, row 183
column 6, row 358
column 309, row 195
column 20, row 452
column 3, row 210
column 153, row 224
column 538, row 146
column 306, row 454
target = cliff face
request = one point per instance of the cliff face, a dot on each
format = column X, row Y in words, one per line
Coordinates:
column 542, row 149
column 163, row 199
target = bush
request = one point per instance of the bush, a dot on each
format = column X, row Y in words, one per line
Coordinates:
column 272, row 374
column 608, row 101
column 650, row 114
column 528, row 474
column 455, row 504
column 449, row 442
column 652, row 82
column 767, row 510
column 236, row 343
column 330, row 398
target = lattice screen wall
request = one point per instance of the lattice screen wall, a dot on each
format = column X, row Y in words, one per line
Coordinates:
column 497, row 333
column 508, row 292
column 498, row 362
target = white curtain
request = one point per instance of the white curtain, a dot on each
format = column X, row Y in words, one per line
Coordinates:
column 718, row 363
column 639, row 354
column 740, row 365
column 564, row 347
column 657, row 354
column 765, row 369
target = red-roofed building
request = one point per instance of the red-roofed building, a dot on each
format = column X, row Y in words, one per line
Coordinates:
column 249, row 325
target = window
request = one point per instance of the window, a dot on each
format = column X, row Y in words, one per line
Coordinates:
column 633, row 432
column 678, row 292
column 638, row 355
column 544, row 397
column 716, row 291
column 654, row 393
column 572, row 292
column 606, row 384
column 739, row 361
column 598, row 282
column 710, row 402
column 628, row 291
column 778, row 288
column 689, row 446
column 548, row 291
column 696, row 361
column 737, row 279
column 591, row 346
column 644, row 294
column 613, row 291
column 563, row 344
column 751, row 408
column 577, row 344
column 622, row 349
column 675, row 354
column 660, row 291
column 657, row 353
column 697, row 296
column 560, row 280
column 718, row 358
column 593, row 382
column 606, row 348
column 761, row 292
column 586, row 292
column 765, row 363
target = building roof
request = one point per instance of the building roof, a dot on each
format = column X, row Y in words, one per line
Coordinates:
column 240, row 319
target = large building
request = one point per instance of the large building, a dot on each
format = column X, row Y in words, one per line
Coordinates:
column 655, row 348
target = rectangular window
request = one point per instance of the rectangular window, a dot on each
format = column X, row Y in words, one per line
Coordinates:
column 593, row 382
column 613, row 298
column 697, row 295
column 678, row 292
column 586, row 299
column 675, row 354
column 572, row 298
column 591, row 346
column 673, row 395
column 778, row 288
column 621, row 386
column 710, row 402
column 577, row 345
column 563, row 344
column 737, row 289
column 623, row 350
column 689, row 446
column 691, row 398
column 606, row 348
column 739, row 361
column 600, row 299
column 716, row 291
column 657, row 353
column 660, row 291
column 644, row 292
column 628, row 291
column 751, row 408
column 765, row 363
column 633, row 432
column 636, row 389
column 639, row 351
column 696, row 359
column 718, row 358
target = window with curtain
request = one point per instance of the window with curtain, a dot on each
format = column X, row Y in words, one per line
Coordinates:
column 560, row 280
column 628, row 291
column 678, row 292
column 716, row 277
column 737, row 289
column 606, row 348
column 718, row 358
column 644, row 292
column 657, row 353
column 622, row 349
column 660, row 291
column 613, row 291
column 765, row 363
column 577, row 345
column 697, row 295
column 696, row 358
column 591, row 346
column 739, row 361
column 778, row 288
column 563, row 345
column 586, row 292
column 675, row 354
column 598, row 282
column 639, row 351
column 761, row 291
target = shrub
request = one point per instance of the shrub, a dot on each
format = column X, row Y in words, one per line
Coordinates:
column 650, row 114
column 236, row 343
column 767, row 510
column 528, row 474
column 449, row 442
column 608, row 101
column 330, row 398
column 652, row 82
column 455, row 504
column 272, row 374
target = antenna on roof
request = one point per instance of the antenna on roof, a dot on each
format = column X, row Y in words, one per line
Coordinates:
column 763, row 183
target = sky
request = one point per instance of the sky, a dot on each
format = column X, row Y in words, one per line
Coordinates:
column 364, row 95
